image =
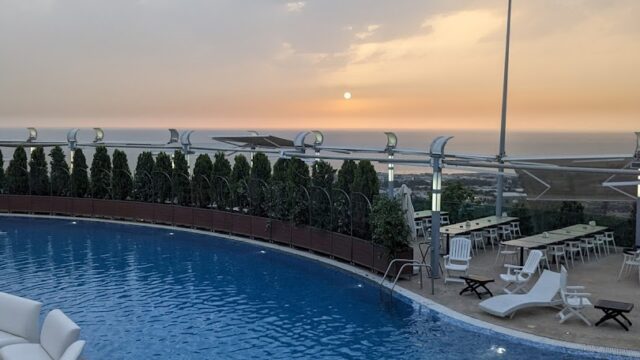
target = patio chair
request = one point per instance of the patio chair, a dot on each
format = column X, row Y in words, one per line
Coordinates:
column 543, row 293
column 515, row 229
column 609, row 240
column 491, row 234
column 558, row 252
column 58, row 341
column 444, row 220
column 458, row 259
column 420, row 228
column 574, row 302
column 477, row 237
column 629, row 261
column 18, row 319
column 599, row 245
column 518, row 276
column 544, row 260
column 587, row 244
column 573, row 248
column 504, row 231
column 505, row 251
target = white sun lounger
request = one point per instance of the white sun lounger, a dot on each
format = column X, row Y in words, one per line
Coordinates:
column 543, row 293
column 18, row 319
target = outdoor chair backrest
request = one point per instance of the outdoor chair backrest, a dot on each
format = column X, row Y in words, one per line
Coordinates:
column 460, row 249
column 477, row 235
column 563, row 283
column 531, row 265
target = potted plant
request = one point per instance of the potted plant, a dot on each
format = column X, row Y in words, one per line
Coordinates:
column 390, row 233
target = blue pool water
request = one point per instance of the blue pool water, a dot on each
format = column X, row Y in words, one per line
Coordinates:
column 143, row 293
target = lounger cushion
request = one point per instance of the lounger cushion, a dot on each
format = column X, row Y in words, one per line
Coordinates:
column 74, row 351
column 19, row 316
column 24, row 352
column 8, row 339
column 58, row 333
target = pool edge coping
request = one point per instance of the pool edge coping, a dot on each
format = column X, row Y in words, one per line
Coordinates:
column 413, row 296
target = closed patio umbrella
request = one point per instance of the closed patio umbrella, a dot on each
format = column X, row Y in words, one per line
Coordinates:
column 407, row 206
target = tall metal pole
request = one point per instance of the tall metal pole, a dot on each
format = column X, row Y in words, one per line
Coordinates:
column 637, row 158
column 503, row 117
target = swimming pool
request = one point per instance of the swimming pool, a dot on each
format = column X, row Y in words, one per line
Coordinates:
column 143, row 292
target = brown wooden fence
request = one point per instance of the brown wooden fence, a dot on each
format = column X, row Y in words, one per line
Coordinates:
column 335, row 245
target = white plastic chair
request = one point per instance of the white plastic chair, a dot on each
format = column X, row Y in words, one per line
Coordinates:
column 629, row 261
column 420, row 228
column 505, row 251
column 573, row 248
column 544, row 260
column 599, row 245
column 477, row 237
column 58, row 341
column 444, row 220
column 574, row 302
column 557, row 252
column 586, row 245
column 491, row 234
column 518, row 276
column 515, row 229
column 609, row 240
column 504, row 231
column 458, row 259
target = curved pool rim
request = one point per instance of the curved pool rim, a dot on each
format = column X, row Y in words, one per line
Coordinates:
column 401, row 293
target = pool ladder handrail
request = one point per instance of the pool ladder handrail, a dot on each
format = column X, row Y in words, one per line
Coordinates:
column 408, row 262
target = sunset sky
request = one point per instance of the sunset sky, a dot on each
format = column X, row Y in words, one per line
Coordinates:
column 278, row 64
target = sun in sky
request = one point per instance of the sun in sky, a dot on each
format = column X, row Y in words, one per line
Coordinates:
column 347, row 95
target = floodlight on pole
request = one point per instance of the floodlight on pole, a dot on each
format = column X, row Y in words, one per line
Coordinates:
column 317, row 142
column 99, row 135
column 503, row 116
column 72, row 141
column 33, row 136
column 392, row 142
column 637, row 164
column 437, row 154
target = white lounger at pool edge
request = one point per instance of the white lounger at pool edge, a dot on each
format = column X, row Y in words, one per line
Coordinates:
column 58, row 341
column 543, row 293
column 18, row 319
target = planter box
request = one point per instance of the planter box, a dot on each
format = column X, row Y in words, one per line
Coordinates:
column 281, row 232
column 163, row 213
column 362, row 252
column 301, row 236
column 82, row 207
column 61, row 205
column 203, row 219
column 382, row 259
column 222, row 221
column 183, row 216
column 321, row 241
column 41, row 204
column 241, row 224
column 341, row 246
column 20, row 203
column 260, row 228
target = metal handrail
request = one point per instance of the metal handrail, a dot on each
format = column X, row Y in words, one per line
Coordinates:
column 408, row 262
